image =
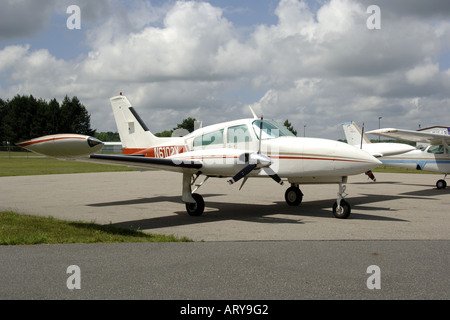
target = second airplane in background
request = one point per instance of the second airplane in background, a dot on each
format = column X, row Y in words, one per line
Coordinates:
column 435, row 156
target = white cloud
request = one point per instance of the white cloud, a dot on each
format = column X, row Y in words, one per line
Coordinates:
column 316, row 68
column 422, row 74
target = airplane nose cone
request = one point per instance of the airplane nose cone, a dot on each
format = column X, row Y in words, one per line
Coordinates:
column 260, row 160
column 362, row 159
column 92, row 142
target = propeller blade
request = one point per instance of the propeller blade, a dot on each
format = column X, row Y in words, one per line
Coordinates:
column 242, row 173
column 273, row 175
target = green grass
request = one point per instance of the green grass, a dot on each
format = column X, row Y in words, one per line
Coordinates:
column 18, row 229
column 23, row 164
column 389, row 169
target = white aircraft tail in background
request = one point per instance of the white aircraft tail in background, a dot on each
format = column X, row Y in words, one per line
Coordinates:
column 356, row 137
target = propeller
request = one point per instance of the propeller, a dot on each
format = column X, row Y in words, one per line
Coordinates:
column 257, row 161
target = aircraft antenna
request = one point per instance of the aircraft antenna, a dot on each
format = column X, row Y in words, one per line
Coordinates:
column 260, row 134
column 253, row 113
column 362, row 136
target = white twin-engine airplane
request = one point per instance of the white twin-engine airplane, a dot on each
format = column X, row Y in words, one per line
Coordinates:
column 239, row 149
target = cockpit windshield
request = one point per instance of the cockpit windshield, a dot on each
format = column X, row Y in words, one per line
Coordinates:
column 270, row 130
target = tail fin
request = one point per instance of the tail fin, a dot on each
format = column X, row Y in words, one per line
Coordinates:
column 354, row 135
column 134, row 134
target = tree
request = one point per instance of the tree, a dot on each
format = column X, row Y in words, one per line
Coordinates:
column 75, row 118
column 3, row 105
column 289, row 126
column 24, row 118
column 164, row 134
column 108, row 136
column 187, row 124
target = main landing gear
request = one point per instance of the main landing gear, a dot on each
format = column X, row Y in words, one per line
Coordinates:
column 195, row 205
column 293, row 195
column 441, row 184
column 197, row 208
column 341, row 208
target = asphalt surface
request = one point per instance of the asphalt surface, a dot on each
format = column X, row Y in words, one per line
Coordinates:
column 249, row 243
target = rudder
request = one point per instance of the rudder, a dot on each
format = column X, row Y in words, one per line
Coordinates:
column 353, row 134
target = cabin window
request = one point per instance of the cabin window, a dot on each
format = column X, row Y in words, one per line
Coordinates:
column 215, row 137
column 439, row 149
column 238, row 134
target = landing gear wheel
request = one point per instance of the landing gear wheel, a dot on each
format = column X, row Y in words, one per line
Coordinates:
column 197, row 208
column 441, row 184
column 343, row 211
column 293, row 196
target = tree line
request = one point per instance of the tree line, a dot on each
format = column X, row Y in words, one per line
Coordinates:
column 25, row 117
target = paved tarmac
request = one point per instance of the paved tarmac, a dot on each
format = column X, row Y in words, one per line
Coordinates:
column 396, row 207
column 254, row 245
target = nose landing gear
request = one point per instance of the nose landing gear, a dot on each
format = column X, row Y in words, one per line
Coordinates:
column 341, row 208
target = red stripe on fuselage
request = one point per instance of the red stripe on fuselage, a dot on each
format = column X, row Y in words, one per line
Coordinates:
column 316, row 158
column 29, row 143
column 167, row 151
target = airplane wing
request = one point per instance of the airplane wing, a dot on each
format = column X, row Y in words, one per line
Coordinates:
column 146, row 162
column 410, row 135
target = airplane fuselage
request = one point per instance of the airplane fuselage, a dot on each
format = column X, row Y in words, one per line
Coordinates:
column 430, row 159
column 220, row 149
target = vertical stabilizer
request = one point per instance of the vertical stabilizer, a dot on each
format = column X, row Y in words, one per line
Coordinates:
column 354, row 135
column 134, row 134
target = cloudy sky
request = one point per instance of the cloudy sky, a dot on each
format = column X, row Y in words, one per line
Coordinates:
column 314, row 62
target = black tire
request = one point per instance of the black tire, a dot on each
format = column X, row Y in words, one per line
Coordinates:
column 293, row 196
column 344, row 211
column 441, row 184
column 196, row 209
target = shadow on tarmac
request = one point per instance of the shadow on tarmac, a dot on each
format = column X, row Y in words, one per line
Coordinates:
column 223, row 211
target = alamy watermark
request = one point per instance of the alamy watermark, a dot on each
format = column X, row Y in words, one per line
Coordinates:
column 74, row 280
column 374, row 20
column 74, row 20
column 374, row 280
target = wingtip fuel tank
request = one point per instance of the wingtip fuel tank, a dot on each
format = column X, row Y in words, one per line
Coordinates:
column 63, row 145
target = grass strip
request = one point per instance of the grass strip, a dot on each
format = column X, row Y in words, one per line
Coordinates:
column 19, row 229
column 24, row 166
